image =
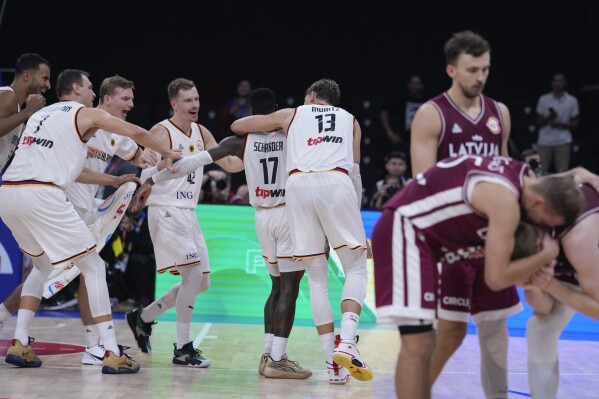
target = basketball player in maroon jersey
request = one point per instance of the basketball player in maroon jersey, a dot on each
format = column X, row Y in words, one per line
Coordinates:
column 461, row 208
column 463, row 121
column 573, row 286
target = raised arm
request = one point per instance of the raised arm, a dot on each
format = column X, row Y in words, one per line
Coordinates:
column 90, row 118
column 424, row 138
column 9, row 117
column 263, row 123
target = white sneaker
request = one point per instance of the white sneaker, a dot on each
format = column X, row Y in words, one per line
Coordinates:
column 94, row 355
column 337, row 375
column 346, row 355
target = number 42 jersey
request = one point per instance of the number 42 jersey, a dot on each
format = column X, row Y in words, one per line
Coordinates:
column 264, row 159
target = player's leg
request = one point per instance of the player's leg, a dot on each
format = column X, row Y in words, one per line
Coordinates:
column 342, row 224
column 490, row 311
column 10, row 304
column 194, row 280
column 406, row 279
column 542, row 336
column 457, row 280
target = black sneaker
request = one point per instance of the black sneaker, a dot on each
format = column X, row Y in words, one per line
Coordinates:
column 140, row 329
column 189, row 356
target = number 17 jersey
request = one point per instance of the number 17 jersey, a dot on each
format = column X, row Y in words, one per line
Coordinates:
column 264, row 159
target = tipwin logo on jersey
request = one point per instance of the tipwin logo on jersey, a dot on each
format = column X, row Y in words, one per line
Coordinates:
column 30, row 140
column 266, row 193
column 325, row 139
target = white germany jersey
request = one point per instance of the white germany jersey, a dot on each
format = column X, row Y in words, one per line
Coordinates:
column 51, row 149
column 8, row 142
column 182, row 192
column 264, row 159
column 108, row 145
column 319, row 138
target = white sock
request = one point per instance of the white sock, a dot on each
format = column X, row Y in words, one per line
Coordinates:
column 279, row 347
column 92, row 335
column 4, row 313
column 349, row 326
column 268, row 342
column 24, row 318
column 328, row 345
column 183, row 334
column 106, row 330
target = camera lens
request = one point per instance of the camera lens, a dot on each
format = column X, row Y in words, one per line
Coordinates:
column 221, row 184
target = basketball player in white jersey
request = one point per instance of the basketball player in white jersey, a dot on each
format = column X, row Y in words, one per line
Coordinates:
column 264, row 158
column 102, row 217
column 33, row 204
column 323, row 148
column 179, row 244
column 31, row 80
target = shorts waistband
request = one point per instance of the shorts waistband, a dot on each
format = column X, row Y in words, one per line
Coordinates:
column 331, row 170
column 271, row 207
column 27, row 183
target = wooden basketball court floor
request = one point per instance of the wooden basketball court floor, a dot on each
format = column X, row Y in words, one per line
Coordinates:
column 235, row 350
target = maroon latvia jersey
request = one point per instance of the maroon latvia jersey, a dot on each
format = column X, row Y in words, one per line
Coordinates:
column 564, row 270
column 436, row 202
column 462, row 135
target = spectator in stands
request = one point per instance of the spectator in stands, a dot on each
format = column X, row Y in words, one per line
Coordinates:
column 395, row 165
column 398, row 111
column 235, row 107
column 216, row 187
column 557, row 116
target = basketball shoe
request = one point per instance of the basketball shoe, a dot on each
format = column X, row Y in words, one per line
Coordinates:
column 140, row 329
column 22, row 356
column 262, row 363
column 285, row 369
column 189, row 356
column 123, row 364
column 346, row 355
column 337, row 375
column 93, row 355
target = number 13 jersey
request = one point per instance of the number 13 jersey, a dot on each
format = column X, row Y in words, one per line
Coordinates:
column 320, row 138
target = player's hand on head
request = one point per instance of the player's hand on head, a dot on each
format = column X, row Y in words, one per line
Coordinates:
column 582, row 175
column 550, row 248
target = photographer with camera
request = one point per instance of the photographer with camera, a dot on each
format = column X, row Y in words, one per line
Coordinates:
column 216, row 189
column 391, row 185
column 395, row 166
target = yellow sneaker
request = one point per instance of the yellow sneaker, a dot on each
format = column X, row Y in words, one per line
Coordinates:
column 123, row 364
column 22, row 356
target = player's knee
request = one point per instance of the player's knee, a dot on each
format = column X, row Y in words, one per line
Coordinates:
column 356, row 276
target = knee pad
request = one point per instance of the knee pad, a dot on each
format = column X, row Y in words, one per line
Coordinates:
column 356, row 275
column 34, row 284
column 318, row 282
